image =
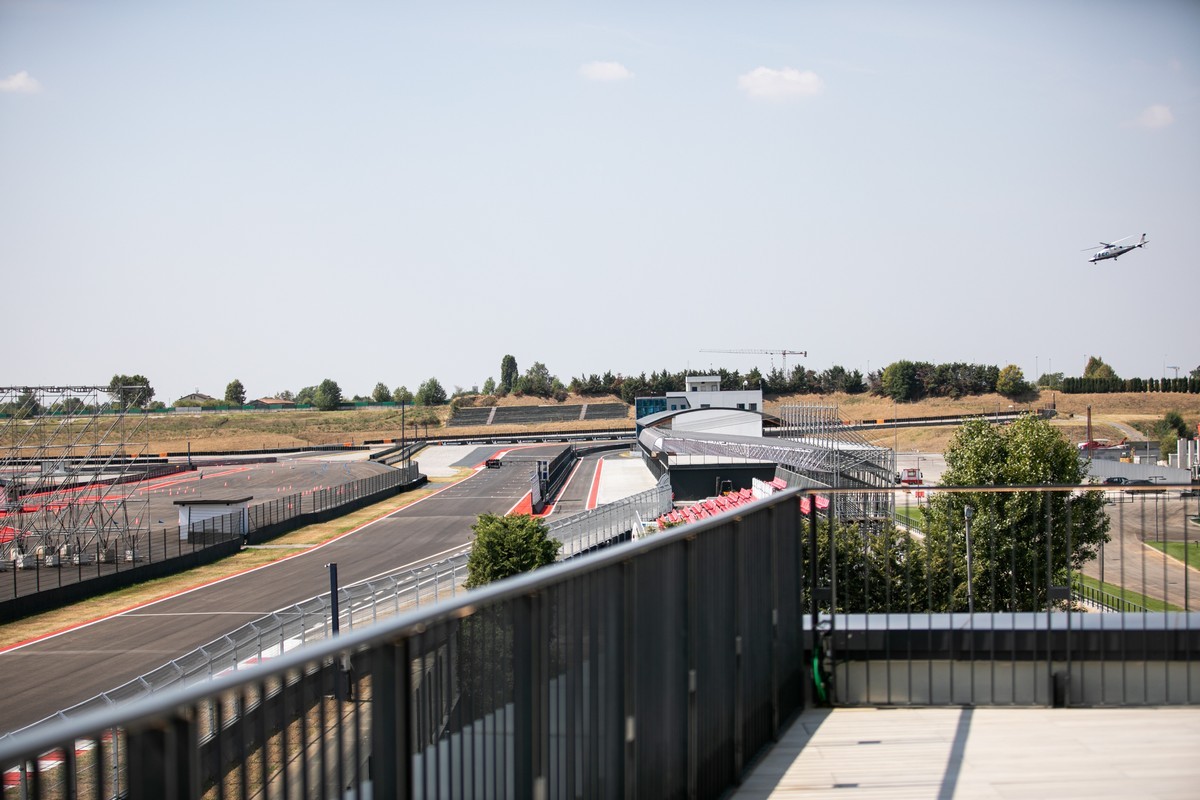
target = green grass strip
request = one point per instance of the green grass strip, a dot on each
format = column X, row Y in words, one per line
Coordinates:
column 1149, row 603
column 912, row 516
column 1175, row 550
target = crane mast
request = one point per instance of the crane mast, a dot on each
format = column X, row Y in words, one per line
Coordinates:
column 754, row 351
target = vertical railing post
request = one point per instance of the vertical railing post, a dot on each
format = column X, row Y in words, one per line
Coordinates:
column 391, row 721
column 162, row 760
column 692, row 577
column 774, row 566
column 741, row 604
column 526, row 669
column 629, row 675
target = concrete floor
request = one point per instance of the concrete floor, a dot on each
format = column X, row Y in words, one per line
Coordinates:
column 944, row 753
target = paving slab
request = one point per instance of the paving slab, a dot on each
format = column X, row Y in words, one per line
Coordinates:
column 942, row 753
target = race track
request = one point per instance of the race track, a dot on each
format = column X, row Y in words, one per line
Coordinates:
column 44, row 676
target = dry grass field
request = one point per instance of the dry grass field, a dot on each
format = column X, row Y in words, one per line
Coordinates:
column 1113, row 415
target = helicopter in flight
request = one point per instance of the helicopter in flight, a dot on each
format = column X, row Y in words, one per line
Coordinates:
column 1115, row 249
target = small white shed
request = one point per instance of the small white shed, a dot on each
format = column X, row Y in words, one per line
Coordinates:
column 196, row 511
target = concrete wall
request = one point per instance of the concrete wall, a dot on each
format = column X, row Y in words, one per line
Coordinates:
column 700, row 482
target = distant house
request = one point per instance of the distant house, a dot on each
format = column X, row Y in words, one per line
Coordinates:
column 194, row 399
column 272, row 404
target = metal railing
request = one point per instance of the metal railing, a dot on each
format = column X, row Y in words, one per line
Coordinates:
column 36, row 572
column 598, row 527
column 1018, row 595
column 657, row 668
column 285, row 629
column 662, row 666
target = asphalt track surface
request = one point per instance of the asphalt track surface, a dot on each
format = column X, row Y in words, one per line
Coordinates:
column 295, row 478
column 573, row 498
column 56, row 672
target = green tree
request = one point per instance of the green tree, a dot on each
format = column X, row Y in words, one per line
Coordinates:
column 307, row 396
column 878, row 571
column 1170, row 429
column 506, row 546
column 508, row 374
column 489, row 386
column 634, row 387
column 71, row 405
column 328, row 395
column 900, row 381
column 1096, row 368
column 235, row 393
column 854, row 383
column 1050, row 380
column 382, row 393
column 1012, row 532
column 286, row 394
column 1011, row 382
column 25, row 406
column 431, row 393
column 130, row 391
column 536, row 381
column 402, row 396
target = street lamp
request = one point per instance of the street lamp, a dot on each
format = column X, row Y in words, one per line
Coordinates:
column 968, row 513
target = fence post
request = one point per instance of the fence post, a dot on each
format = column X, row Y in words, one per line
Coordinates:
column 692, row 576
column 628, row 675
column 528, row 727
column 162, row 760
column 739, row 673
column 391, row 715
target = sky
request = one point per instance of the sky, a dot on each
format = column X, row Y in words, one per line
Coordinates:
column 283, row 192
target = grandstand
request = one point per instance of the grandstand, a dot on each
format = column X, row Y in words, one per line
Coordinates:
column 814, row 449
column 537, row 415
column 462, row 417
column 606, row 411
column 534, row 415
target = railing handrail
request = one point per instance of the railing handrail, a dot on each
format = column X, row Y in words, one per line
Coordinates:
column 404, row 625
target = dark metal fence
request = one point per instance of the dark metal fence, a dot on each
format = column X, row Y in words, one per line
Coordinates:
column 1011, row 596
column 43, row 571
column 659, row 668
column 663, row 666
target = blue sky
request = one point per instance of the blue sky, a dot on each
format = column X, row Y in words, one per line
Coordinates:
column 288, row 191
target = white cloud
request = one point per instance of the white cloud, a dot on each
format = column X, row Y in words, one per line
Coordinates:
column 1157, row 116
column 22, row 82
column 605, row 71
column 780, row 84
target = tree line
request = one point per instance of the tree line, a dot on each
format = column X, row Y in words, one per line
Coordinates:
column 903, row 381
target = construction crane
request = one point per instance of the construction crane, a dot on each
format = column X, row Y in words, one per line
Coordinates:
column 771, row 353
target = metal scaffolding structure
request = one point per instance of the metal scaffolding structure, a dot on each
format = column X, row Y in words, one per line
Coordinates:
column 813, row 443
column 70, row 462
column 843, row 459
